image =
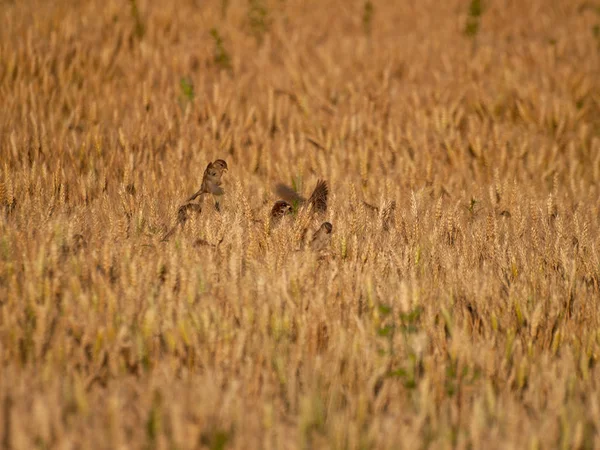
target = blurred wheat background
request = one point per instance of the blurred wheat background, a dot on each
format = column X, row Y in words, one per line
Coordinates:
column 471, row 322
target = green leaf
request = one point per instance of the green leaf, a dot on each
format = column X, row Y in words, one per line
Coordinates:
column 140, row 29
column 409, row 329
column 187, row 89
column 385, row 309
column 411, row 317
column 475, row 8
column 386, row 331
column 398, row 373
column 221, row 57
column 368, row 16
column 410, row 384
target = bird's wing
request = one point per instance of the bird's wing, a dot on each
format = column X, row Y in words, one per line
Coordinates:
column 213, row 189
column 318, row 198
column 203, row 188
column 288, row 194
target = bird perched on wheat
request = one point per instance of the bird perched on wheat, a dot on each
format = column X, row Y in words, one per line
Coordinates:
column 279, row 210
column 211, row 181
column 211, row 184
column 322, row 237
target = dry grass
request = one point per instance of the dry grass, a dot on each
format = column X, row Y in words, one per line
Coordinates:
column 465, row 317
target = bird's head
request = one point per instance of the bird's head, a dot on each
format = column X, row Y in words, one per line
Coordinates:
column 280, row 209
column 327, row 227
column 220, row 165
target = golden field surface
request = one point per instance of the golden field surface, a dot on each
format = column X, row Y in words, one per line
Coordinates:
column 466, row 317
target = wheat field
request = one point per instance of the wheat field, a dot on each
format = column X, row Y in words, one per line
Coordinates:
column 467, row 317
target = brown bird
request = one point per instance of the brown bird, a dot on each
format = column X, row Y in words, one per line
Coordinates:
column 211, row 180
column 321, row 237
column 211, row 184
column 318, row 198
column 183, row 213
column 280, row 209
